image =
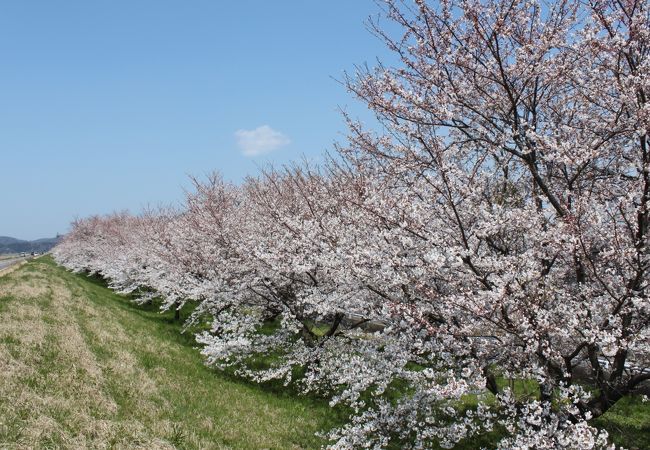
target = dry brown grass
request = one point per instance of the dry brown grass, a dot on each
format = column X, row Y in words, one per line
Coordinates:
column 8, row 270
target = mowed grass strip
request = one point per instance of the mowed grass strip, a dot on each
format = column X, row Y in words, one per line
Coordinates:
column 82, row 367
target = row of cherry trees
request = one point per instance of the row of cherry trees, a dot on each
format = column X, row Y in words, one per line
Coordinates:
column 496, row 228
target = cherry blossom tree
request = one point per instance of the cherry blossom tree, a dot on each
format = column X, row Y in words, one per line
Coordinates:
column 513, row 169
column 274, row 274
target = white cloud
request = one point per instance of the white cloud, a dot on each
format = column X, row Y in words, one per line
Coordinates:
column 260, row 141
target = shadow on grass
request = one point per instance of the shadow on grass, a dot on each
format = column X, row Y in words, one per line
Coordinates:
column 172, row 329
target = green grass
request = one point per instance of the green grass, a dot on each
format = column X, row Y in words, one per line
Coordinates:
column 89, row 368
column 628, row 423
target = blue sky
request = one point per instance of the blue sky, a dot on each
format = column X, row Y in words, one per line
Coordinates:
column 110, row 105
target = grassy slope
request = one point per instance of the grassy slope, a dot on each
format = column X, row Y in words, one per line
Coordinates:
column 84, row 368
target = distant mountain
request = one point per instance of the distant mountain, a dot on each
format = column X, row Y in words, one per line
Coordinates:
column 4, row 240
column 13, row 245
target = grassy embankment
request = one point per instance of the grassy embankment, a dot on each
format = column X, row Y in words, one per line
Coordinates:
column 82, row 367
